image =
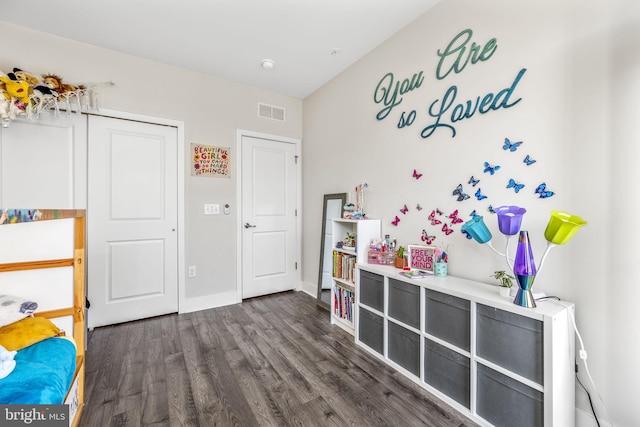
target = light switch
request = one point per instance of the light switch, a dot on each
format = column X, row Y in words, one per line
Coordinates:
column 211, row 209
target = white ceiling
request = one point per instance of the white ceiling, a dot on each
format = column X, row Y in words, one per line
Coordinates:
column 229, row 38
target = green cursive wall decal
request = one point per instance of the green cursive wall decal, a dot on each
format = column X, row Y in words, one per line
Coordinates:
column 467, row 109
column 388, row 89
column 456, row 51
column 448, row 110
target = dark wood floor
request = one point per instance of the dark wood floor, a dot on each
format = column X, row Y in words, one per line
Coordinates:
column 270, row 361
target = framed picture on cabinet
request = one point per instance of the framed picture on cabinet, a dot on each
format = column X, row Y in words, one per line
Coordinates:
column 421, row 257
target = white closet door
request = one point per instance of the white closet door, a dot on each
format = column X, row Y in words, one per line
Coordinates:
column 132, row 220
column 43, row 163
column 269, row 188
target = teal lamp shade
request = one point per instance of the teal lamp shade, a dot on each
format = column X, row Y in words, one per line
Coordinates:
column 477, row 229
column 562, row 226
column 524, row 268
column 510, row 219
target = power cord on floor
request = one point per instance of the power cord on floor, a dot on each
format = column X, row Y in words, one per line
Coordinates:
column 593, row 409
column 582, row 353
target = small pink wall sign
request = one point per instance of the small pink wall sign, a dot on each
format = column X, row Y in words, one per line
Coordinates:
column 207, row 160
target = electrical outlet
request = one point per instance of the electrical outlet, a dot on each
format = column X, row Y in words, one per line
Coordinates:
column 192, row 271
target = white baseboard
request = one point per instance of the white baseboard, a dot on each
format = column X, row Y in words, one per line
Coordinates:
column 585, row 419
column 188, row 305
column 309, row 288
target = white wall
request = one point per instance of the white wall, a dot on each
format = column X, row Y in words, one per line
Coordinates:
column 577, row 117
column 212, row 110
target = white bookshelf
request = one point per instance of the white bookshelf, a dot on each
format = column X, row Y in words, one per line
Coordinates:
column 344, row 271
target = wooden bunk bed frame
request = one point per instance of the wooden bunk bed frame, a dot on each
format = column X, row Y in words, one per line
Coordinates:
column 75, row 394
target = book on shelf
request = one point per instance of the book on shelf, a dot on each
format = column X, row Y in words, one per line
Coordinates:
column 415, row 274
column 343, row 300
column 344, row 266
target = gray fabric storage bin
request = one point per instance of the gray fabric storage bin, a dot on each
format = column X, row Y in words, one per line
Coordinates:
column 511, row 341
column 371, row 330
column 504, row 401
column 372, row 290
column 404, row 302
column 404, row 348
column 448, row 371
column 448, row 318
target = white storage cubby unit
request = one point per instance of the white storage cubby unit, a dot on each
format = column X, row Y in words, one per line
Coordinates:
column 344, row 266
column 497, row 363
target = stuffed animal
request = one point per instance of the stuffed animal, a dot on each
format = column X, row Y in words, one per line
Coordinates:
column 55, row 83
column 349, row 210
column 5, row 104
column 16, row 89
column 35, row 83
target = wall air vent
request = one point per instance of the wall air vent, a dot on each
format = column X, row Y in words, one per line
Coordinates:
column 271, row 112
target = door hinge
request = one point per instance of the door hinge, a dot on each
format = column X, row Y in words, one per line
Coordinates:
column 296, row 265
column 296, row 159
column 295, row 212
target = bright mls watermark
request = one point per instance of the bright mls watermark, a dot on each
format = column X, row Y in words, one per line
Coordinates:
column 34, row 415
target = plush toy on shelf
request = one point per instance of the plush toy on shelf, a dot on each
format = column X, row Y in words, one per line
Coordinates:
column 36, row 85
column 55, row 83
column 16, row 89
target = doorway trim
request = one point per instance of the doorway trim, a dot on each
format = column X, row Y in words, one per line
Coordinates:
column 179, row 125
column 240, row 133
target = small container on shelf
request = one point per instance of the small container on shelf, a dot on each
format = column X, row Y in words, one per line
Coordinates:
column 384, row 258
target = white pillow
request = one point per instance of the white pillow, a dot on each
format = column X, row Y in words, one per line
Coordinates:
column 14, row 308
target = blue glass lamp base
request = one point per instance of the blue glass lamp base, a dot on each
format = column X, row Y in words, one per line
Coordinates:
column 524, row 297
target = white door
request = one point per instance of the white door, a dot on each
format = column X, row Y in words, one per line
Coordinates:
column 43, row 163
column 269, row 192
column 132, row 259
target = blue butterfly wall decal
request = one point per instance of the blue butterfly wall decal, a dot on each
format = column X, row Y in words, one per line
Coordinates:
column 458, row 192
column 479, row 195
column 515, row 185
column 511, row 146
column 473, row 181
column 529, row 161
column 542, row 191
column 490, row 169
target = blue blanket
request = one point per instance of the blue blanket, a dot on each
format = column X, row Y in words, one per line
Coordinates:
column 43, row 373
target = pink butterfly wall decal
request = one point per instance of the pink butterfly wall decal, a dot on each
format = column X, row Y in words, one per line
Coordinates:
column 454, row 217
column 426, row 238
column 432, row 218
column 446, row 229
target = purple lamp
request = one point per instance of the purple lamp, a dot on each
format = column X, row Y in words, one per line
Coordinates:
column 510, row 219
column 524, row 269
column 561, row 228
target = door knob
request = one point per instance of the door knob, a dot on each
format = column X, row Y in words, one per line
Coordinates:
column 247, row 225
